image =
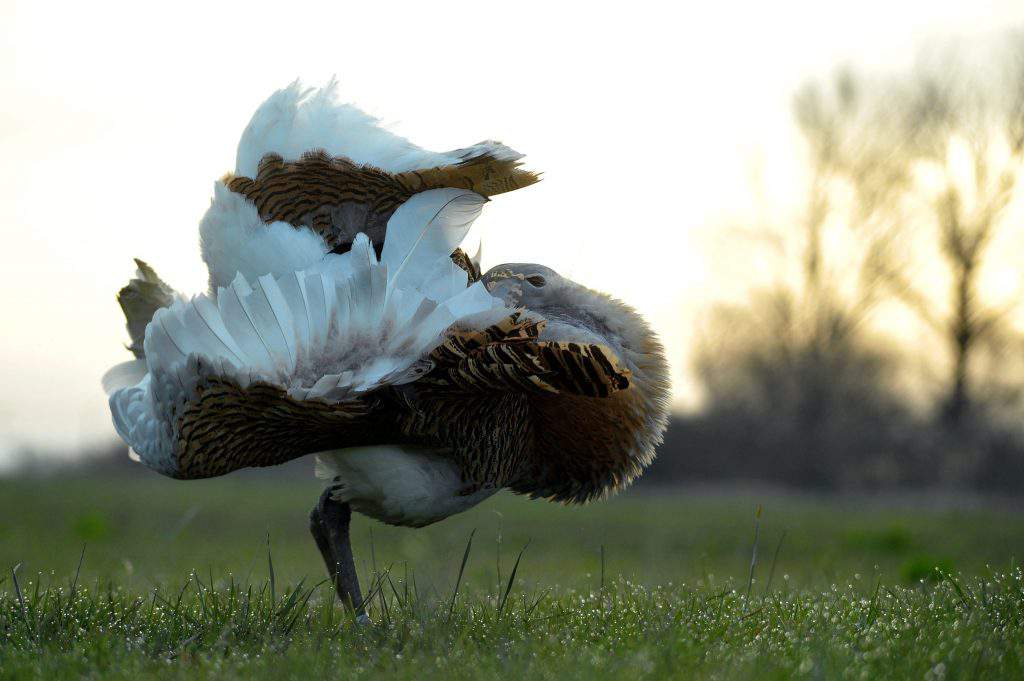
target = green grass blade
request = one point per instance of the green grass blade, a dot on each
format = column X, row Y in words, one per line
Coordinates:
column 462, row 569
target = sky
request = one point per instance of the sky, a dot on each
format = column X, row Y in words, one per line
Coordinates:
column 117, row 118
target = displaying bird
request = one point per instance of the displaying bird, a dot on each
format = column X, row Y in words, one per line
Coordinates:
column 343, row 320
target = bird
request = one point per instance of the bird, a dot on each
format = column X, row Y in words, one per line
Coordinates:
column 344, row 320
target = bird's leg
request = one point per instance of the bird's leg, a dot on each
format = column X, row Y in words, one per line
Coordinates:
column 329, row 523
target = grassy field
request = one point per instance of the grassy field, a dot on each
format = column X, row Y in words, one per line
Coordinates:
column 221, row 579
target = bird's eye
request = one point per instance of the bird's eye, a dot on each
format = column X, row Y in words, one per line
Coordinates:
column 536, row 280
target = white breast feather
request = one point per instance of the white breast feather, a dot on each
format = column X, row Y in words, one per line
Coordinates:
column 401, row 485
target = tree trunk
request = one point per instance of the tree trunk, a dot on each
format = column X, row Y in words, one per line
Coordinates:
column 958, row 401
column 963, row 335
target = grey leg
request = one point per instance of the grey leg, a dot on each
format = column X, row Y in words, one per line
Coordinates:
column 329, row 524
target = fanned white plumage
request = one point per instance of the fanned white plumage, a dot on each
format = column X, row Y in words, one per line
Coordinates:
column 330, row 334
column 297, row 118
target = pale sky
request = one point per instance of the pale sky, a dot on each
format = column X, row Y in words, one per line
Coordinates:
column 117, row 118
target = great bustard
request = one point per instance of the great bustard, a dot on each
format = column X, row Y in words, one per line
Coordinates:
column 344, row 320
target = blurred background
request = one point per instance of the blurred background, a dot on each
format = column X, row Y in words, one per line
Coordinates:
column 818, row 205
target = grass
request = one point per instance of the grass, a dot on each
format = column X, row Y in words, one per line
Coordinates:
column 177, row 580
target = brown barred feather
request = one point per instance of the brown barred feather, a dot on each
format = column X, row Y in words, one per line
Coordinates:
column 338, row 199
column 227, row 427
column 463, row 341
column 488, row 435
column 331, row 195
column 509, row 356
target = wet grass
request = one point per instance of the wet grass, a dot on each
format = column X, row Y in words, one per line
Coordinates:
column 953, row 628
column 178, row 580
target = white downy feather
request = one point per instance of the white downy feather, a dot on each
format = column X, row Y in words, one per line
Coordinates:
column 329, row 334
column 233, row 239
column 296, row 119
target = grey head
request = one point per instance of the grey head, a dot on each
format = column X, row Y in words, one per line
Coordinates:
column 524, row 284
column 572, row 312
column 576, row 313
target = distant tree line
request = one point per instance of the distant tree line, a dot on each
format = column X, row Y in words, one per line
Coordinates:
column 802, row 383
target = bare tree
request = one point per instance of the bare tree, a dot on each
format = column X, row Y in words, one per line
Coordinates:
column 802, row 376
column 798, row 363
column 932, row 111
